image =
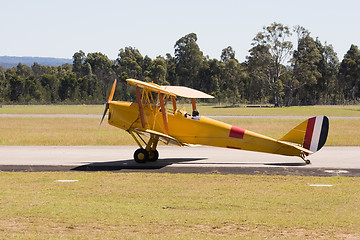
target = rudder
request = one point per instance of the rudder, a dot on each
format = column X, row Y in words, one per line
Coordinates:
column 310, row 134
column 316, row 133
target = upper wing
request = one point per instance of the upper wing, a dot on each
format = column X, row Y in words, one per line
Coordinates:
column 151, row 86
column 170, row 90
column 186, row 92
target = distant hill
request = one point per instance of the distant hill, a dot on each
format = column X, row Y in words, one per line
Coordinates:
column 10, row 61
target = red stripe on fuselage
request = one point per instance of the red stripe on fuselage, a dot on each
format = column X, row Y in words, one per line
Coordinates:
column 309, row 133
column 236, row 132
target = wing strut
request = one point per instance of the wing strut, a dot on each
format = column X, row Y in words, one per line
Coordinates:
column 174, row 103
column 163, row 112
column 141, row 110
column 193, row 103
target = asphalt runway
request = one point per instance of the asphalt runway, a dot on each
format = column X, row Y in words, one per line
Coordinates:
column 329, row 161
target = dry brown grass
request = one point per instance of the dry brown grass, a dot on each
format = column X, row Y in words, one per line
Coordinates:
column 71, row 131
column 349, row 110
column 59, row 131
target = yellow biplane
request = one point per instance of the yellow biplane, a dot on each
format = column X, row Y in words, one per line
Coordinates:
column 153, row 118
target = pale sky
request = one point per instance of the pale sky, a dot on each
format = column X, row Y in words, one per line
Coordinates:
column 59, row 28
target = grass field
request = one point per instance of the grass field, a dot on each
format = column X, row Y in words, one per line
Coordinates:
column 350, row 111
column 177, row 206
column 84, row 131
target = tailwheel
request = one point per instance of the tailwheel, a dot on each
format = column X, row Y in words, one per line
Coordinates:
column 153, row 155
column 303, row 157
column 141, row 155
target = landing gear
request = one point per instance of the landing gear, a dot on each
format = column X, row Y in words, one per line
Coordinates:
column 149, row 153
column 141, row 155
column 303, row 157
column 153, row 155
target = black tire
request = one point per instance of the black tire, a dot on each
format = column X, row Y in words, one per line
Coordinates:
column 153, row 155
column 141, row 155
column 307, row 161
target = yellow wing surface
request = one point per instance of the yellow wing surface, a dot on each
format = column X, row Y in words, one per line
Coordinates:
column 170, row 90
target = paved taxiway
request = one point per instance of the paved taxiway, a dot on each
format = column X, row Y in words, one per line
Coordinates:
column 330, row 161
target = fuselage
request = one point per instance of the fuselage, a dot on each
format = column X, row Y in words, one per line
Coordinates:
column 201, row 130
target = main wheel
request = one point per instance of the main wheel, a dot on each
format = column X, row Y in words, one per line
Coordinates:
column 307, row 161
column 153, row 155
column 141, row 155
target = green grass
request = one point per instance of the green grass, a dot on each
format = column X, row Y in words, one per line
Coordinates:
column 84, row 131
column 177, row 206
column 350, row 111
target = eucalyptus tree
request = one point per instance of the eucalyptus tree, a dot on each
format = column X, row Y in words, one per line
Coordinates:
column 328, row 85
column 307, row 58
column 68, row 88
column 274, row 43
column 129, row 63
column 16, row 85
column 231, row 74
column 2, row 84
column 349, row 74
column 158, row 70
column 146, row 68
column 188, row 59
column 291, row 84
column 50, row 84
column 78, row 61
column 25, row 86
column 260, row 73
column 171, row 76
column 101, row 66
column 210, row 75
column 227, row 54
column 231, row 78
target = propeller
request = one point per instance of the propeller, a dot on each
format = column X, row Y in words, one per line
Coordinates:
column 108, row 102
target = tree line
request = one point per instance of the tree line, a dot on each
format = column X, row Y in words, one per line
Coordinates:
column 276, row 71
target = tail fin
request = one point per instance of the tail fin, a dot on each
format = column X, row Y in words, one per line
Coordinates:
column 310, row 134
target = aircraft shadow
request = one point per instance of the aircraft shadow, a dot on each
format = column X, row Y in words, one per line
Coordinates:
column 131, row 164
column 163, row 162
column 287, row 164
column 254, row 163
